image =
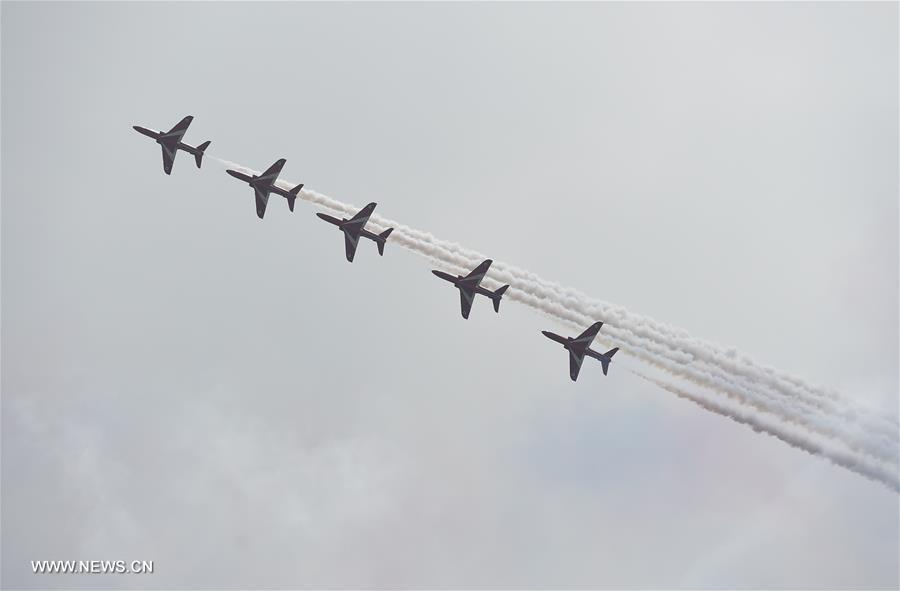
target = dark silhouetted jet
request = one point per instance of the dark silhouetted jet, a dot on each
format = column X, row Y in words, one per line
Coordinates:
column 355, row 227
column 265, row 184
column 581, row 346
column 469, row 285
column 170, row 141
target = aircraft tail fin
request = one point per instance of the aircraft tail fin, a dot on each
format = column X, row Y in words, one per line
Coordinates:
column 382, row 238
column 497, row 295
column 198, row 155
column 606, row 358
column 291, row 201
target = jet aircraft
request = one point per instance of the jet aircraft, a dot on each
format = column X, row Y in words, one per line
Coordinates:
column 355, row 227
column 469, row 285
column 170, row 142
column 265, row 184
column 581, row 346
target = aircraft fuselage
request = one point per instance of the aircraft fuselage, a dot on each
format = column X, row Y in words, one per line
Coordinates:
column 162, row 140
column 570, row 344
column 460, row 283
column 262, row 185
column 148, row 132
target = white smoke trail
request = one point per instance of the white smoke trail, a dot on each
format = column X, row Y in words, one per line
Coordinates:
column 871, row 469
column 866, row 435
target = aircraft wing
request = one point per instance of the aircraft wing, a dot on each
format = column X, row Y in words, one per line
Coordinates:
column 353, row 228
column 178, row 131
column 362, row 216
column 168, row 153
column 587, row 337
column 474, row 278
column 466, row 297
column 350, row 242
column 262, row 198
column 575, row 360
column 271, row 173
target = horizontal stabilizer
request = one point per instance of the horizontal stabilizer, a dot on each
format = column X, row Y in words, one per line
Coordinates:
column 382, row 238
column 496, row 297
column 292, row 195
column 198, row 155
column 606, row 358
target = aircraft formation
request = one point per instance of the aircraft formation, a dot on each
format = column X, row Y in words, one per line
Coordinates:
column 355, row 228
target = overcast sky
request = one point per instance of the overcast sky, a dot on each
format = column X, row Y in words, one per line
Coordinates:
column 229, row 398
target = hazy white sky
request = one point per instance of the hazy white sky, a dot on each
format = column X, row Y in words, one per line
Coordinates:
column 227, row 397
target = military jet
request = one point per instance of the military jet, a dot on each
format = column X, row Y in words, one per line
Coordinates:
column 265, row 184
column 581, row 346
column 469, row 285
column 355, row 227
column 170, row 142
